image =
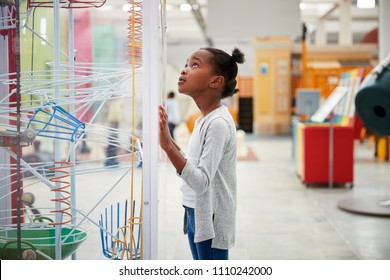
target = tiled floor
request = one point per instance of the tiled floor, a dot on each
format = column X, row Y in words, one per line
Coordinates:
column 278, row 217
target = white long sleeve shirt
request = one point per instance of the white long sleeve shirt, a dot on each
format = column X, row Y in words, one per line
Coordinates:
column 209, row 178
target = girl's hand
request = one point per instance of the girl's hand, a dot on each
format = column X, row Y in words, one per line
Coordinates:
column 165, row 137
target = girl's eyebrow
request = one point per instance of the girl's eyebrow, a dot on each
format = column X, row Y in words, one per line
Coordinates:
column 193, row 58
column 197, row 58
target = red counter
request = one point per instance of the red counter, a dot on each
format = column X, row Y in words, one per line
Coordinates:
column 313, row 150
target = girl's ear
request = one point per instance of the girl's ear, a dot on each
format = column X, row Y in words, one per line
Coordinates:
column 217, row 82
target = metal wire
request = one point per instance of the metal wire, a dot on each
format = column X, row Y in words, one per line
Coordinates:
column 67, row 4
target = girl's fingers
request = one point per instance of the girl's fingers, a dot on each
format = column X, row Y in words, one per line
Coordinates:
column 163, row 111
column 163, row 116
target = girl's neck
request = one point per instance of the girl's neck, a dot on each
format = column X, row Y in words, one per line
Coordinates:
column 207, row 101
column 211, row 107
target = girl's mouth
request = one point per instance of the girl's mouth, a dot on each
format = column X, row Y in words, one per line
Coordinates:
column 181, row 80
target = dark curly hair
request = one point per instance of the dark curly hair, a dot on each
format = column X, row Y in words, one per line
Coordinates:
column 226, row 66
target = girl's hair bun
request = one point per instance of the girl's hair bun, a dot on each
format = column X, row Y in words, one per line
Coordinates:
column 238, row 56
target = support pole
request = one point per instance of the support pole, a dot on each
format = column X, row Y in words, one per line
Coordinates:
column 151, row 90
column 57, row 147
column 18, row 131
column 72, row 145
column 331, row 154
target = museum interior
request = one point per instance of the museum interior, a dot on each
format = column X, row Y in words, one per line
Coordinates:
column 82, row 175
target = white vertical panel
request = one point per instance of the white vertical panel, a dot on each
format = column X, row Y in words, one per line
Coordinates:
column 384, row 29
column 345, row 19
column 151, row 55
column 320, row 33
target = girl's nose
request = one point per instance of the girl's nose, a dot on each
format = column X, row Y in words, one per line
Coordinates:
column 184, row 71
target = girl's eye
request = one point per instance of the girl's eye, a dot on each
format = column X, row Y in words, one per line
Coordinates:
column 195, row 65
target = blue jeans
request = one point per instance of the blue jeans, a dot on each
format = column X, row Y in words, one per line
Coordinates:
column 201, row 250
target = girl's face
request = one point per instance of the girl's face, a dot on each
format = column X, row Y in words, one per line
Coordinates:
column 197, row 73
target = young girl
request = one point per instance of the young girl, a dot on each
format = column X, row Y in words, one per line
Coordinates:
column 208, row 171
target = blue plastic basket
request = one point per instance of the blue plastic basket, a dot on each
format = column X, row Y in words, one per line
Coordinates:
column 52, row 121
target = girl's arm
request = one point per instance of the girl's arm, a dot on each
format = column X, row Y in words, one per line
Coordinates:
column 168, row 144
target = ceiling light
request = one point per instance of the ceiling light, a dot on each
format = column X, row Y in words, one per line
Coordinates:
column 185, row 7
column 366, row 4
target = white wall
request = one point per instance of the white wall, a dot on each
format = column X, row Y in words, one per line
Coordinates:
column 248, row 18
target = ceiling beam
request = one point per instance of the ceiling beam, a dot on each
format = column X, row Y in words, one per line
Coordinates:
column 330, row 11
column 201, row 22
